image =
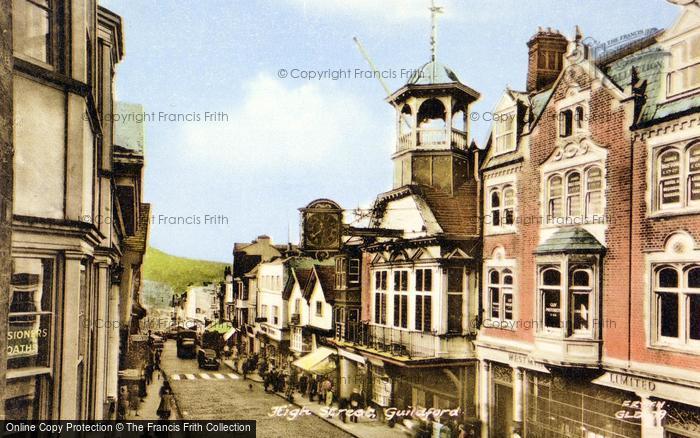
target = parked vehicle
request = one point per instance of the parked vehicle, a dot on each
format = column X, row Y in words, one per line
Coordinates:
column 207, row 359
column 156, row 342
column 187, row 344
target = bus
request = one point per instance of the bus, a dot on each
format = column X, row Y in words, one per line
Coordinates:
column 187, row 344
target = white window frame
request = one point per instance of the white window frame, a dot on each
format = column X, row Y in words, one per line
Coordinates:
column 383, row 294
column 502, row 289
column 677, row 64
column 566, row 197
column 500, row 186
column 684, row 175
column 683, row 292
column 421, row 293
column 402, row 294
column 505, row 132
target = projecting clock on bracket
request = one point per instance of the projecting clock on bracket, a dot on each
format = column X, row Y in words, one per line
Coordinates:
column 321, row 226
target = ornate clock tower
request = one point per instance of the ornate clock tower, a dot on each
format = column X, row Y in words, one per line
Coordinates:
column 321, row 228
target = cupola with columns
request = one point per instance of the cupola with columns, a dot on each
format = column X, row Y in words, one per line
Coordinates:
column 432, row 125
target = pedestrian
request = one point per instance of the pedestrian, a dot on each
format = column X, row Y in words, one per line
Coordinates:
column 134, row 399
column 462, row 432
column 245, row 366
column 313, row 388
column 123, row 408
column 325, row 387
column 166, row 402
column 303, row 382
column 165, row 387
column 329, row 400
column 149, row 374
column 343, row 406
column 355, row 403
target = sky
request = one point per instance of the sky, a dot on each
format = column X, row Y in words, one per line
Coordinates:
column 256, row 137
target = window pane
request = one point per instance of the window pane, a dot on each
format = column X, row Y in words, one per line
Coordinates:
column 668, row 314
column 694, row 278
column 573, row 190
column 581, row 306
column 31, row 25
column 668, row 278
column 454, row 313
column 29, row 331
column 694, row 172
column 427, row 309
column 397, row 310
column 508, row 305
column 404, row 311
column 377, row 307
column 507, row 277
column 580, row 278
column 694, row 317
column 555, row 193
column 669, row 172
column 551, row 277
column 419, row 279
column 494, row 277
column 495, row 301
column 495, row 199
column 428, row 280
column 552, row 309
column 419, row 312
column 454, row 280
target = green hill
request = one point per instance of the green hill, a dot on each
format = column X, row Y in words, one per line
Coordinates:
column 180, row 272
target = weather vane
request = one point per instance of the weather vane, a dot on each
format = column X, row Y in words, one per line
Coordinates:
column 434, row 11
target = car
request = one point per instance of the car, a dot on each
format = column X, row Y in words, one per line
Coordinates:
column 207, row 359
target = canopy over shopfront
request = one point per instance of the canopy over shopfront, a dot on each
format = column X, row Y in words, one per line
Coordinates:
column 319, row 362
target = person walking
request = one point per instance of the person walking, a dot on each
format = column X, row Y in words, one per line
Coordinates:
column 134, row 399
column 355, row 403
column 123, row 408
column 166, row 403
column 329, row 400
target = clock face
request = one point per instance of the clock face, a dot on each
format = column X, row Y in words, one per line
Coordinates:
column 321, row 230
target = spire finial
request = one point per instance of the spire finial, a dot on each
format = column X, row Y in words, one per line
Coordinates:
column 434, row 10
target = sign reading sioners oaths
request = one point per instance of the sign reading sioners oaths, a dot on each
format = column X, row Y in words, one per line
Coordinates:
column 28, row 325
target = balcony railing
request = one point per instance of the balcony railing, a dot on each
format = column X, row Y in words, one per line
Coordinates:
column 433, row 139
column 411, row 344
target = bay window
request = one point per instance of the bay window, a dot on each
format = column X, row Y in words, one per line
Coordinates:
column 567, row 298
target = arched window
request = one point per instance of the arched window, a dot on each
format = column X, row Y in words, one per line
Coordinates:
column 496, row 207
column 667, row 291
column 669, row 182
column 573, row 194
column 500, row 299
column 550, row 297
column 693, row 174
column 594, row 192
column 580, row 296
column 431, row 114
column 555, row 197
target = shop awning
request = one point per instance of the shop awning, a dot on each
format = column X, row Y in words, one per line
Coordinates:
column 229, row 333
column 318, row 362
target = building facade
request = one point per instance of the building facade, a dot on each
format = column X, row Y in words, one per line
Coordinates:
column 68, row 225
column 589, row 238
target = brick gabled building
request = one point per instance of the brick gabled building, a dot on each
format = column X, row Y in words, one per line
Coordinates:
column 589, row 281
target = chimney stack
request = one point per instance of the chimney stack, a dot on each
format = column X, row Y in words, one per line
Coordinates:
column 546, row 50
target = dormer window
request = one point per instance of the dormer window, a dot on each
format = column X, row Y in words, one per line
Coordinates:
column 684, row 67
column 504, row 132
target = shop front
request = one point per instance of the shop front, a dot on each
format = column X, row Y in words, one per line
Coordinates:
column 29, row 390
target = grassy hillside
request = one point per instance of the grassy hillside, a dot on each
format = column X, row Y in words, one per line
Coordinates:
column 179, row 272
